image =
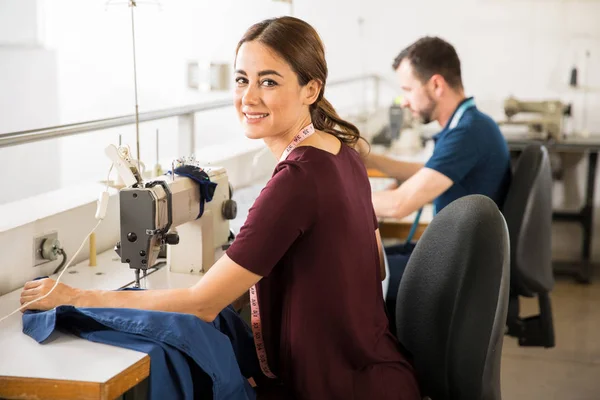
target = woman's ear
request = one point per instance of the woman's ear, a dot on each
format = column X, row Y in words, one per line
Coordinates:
column 311, row 91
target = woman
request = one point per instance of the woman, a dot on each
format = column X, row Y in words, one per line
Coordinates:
column 310, row 243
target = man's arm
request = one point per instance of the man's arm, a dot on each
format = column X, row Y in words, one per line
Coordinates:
column 393, row 168
column 420, row 189
column 400, row 170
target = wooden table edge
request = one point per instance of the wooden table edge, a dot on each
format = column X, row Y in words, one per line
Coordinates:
column 400, row 230
column 15, row 387
column 375, row 173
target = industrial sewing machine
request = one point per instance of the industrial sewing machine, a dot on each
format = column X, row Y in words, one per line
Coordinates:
column 549, row 125
column 164, row 212
column 399, row 119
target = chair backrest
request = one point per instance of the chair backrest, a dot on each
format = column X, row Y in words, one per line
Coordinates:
column 453, row 299
column 528, row 213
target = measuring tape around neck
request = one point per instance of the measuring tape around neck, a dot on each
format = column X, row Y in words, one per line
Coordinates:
column 257, row 331
column 305, row 133
column 459, row 113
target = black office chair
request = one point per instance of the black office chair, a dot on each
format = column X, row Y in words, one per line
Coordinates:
column 453, row 300
column 528, row 213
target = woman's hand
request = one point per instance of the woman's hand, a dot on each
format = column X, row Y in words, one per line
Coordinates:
column 61, row 295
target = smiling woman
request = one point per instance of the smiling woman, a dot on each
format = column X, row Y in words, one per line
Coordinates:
column 309, row 252
column 292, row 63
column 318, row 319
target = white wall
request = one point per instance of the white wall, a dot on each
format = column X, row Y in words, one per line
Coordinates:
column 28, row 100
column 19, row 23
column 525, row 48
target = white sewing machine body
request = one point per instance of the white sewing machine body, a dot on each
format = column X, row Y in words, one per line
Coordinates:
column 199, row 238
column 165, row 211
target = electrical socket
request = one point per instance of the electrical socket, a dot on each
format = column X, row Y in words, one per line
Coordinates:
column 37, row 248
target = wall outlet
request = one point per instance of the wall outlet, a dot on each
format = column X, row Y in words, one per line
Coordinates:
column 37, row 248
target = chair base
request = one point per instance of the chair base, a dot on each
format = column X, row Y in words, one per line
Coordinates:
column 537, row 330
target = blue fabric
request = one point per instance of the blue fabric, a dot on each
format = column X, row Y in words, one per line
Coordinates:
column 229, row 323
column 206, row 188
column 397, row 258
column 415, row 225
column 474, row 155
column 189, row 358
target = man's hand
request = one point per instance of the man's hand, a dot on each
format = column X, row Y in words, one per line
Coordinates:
column 422, row 188
column 61, row 295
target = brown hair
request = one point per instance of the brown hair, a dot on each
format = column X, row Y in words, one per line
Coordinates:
column 300, row 46
column 432, row 55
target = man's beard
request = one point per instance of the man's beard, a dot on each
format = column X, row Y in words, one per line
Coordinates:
column 426, row 115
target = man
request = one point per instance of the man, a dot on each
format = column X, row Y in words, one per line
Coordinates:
column 470, row 154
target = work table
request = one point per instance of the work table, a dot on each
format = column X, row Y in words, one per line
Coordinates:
column 66, row 366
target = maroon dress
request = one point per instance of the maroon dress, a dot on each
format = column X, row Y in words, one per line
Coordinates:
column 311, row 235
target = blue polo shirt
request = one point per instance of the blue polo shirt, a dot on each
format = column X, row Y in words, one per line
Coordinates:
column 474, row 155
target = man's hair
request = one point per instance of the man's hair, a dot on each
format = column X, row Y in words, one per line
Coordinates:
column 432, row 55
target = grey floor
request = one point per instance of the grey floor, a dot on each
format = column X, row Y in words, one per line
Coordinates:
column 571, row 370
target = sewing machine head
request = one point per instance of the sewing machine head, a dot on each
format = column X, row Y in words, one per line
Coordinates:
column 549, row 124
column 399, row 118
column 188, row 213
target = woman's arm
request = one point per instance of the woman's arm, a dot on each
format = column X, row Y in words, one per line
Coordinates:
column 220, row 286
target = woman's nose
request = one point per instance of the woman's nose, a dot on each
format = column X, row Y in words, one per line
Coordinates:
column 250, row 96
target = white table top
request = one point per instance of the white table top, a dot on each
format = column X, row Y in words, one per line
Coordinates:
column 21, row 356
column 416, row 155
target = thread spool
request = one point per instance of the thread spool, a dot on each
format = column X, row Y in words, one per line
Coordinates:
column 93, row 250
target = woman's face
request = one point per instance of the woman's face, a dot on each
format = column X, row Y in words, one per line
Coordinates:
column 268, row 98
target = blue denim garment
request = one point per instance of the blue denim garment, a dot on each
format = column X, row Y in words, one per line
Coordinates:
column 239, row 332
column 189, row 358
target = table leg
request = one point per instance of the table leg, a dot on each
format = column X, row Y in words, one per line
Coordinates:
column 587, row 214
column 586, row 218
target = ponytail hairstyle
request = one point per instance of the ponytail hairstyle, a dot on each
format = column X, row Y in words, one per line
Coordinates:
column 300, row 46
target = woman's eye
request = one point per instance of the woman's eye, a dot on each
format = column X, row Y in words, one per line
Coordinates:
column 269, row 83
column 241, row 81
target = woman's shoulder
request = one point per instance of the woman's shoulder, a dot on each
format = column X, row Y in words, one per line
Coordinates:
column 308, row 162
column 293, row 172
column 308, row 154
